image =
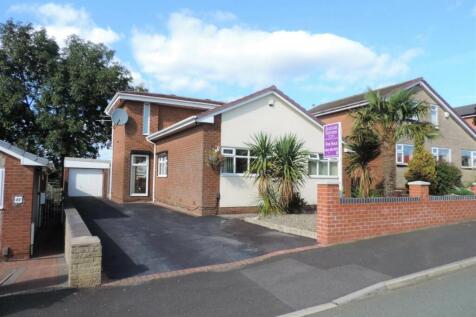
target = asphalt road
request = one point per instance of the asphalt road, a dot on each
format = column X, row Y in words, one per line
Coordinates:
column 139, row 239
column 274, row 287
column 449, row 295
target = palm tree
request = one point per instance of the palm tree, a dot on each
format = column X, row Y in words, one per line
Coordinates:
column 364, row 147
column 289, row 166
column 261, row 149
column 391, row 118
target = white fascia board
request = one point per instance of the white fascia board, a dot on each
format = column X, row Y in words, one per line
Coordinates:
column 23, row 160
column 86, row 164
column 163, row 100
column 450, row 110
column 305, row 115
column 209, row 119
column 343, row 108
column 176, row 127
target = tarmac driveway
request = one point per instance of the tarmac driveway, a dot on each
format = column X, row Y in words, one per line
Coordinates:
column 140, row 239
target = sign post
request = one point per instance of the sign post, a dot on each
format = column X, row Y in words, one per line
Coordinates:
column 333, row 147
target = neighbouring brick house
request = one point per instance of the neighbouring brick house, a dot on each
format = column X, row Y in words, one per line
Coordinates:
column 456, row 142
column 161, row 154
column 23, row 178
column 468, row 113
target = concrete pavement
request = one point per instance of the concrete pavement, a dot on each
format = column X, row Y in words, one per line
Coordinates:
column 453, row 294
column 270, row 288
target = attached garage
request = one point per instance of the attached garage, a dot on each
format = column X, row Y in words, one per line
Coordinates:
column 86, row 177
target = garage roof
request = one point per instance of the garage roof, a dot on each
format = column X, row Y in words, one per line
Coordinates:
column 25, row 157
column 78, row 162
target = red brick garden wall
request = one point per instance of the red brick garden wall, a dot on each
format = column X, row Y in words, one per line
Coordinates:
column 15, row 221
column 339, row 222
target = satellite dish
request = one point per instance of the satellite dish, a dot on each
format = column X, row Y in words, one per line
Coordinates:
column 119, row 117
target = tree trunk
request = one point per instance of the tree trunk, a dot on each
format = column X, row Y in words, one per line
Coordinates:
column 389, row 170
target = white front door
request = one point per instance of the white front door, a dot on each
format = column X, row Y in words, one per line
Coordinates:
column 85, row 182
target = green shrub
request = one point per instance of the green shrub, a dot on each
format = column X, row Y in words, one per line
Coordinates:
column 422, row 167
column 448, row 177
column 461, row 191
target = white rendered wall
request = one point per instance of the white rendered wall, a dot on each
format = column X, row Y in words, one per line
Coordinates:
column 238, row 126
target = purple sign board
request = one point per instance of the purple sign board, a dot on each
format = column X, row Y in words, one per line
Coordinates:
column 331, row 140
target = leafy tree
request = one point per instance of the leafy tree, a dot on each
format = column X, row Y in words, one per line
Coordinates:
column 392, row 118
column 52, row 100
column 27, row 61
column 364, row 147
column 78, row 93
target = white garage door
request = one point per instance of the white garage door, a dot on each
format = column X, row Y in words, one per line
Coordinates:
column 85, row 182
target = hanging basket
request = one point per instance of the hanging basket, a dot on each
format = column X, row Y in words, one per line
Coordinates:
column 215, row 158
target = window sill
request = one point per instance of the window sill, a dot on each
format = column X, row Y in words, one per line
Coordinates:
column 237, row 175
column 139, row 195
column 162, row 176
column 323, row 177
column 402, row 164
column 468, row 167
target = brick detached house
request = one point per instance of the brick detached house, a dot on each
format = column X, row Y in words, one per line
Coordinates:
column 468, row 113
column 162, row 154
column 23, row 177
column 456, row 142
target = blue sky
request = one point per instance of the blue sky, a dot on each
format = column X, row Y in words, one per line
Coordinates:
column 315, row 51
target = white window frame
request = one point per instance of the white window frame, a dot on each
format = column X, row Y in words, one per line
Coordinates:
column 234, row 156
column 162, row 164
column 315, row 157
column 400, row 149
column 434, row 109
column 132, row 179
column 146, row 119
column 472, row 159
column 435, row 151
column 2, row 187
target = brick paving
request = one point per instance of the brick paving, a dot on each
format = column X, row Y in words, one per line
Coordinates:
column 23, row 275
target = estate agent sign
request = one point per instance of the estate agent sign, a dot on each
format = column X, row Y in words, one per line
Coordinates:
column 332, row 143
column 333, row 147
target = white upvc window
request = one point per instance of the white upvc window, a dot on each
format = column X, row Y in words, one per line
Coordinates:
column 236, row 161
column 318, row 166
column 162, row 168
column 468, row 159
column 434, row 115
column 2, row 187
column 441, row 154
column 146, row 119
column 403, row 154
column 139, row 175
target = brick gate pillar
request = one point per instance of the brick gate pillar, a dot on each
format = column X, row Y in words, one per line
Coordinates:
column 327, row 200
column 473, row 188
column 419, row 189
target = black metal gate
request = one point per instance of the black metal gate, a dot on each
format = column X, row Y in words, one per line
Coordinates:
column 51, row 212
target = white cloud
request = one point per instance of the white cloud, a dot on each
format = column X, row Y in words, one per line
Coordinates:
column 196, row 55
column 223, row 16
column 63, row 20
